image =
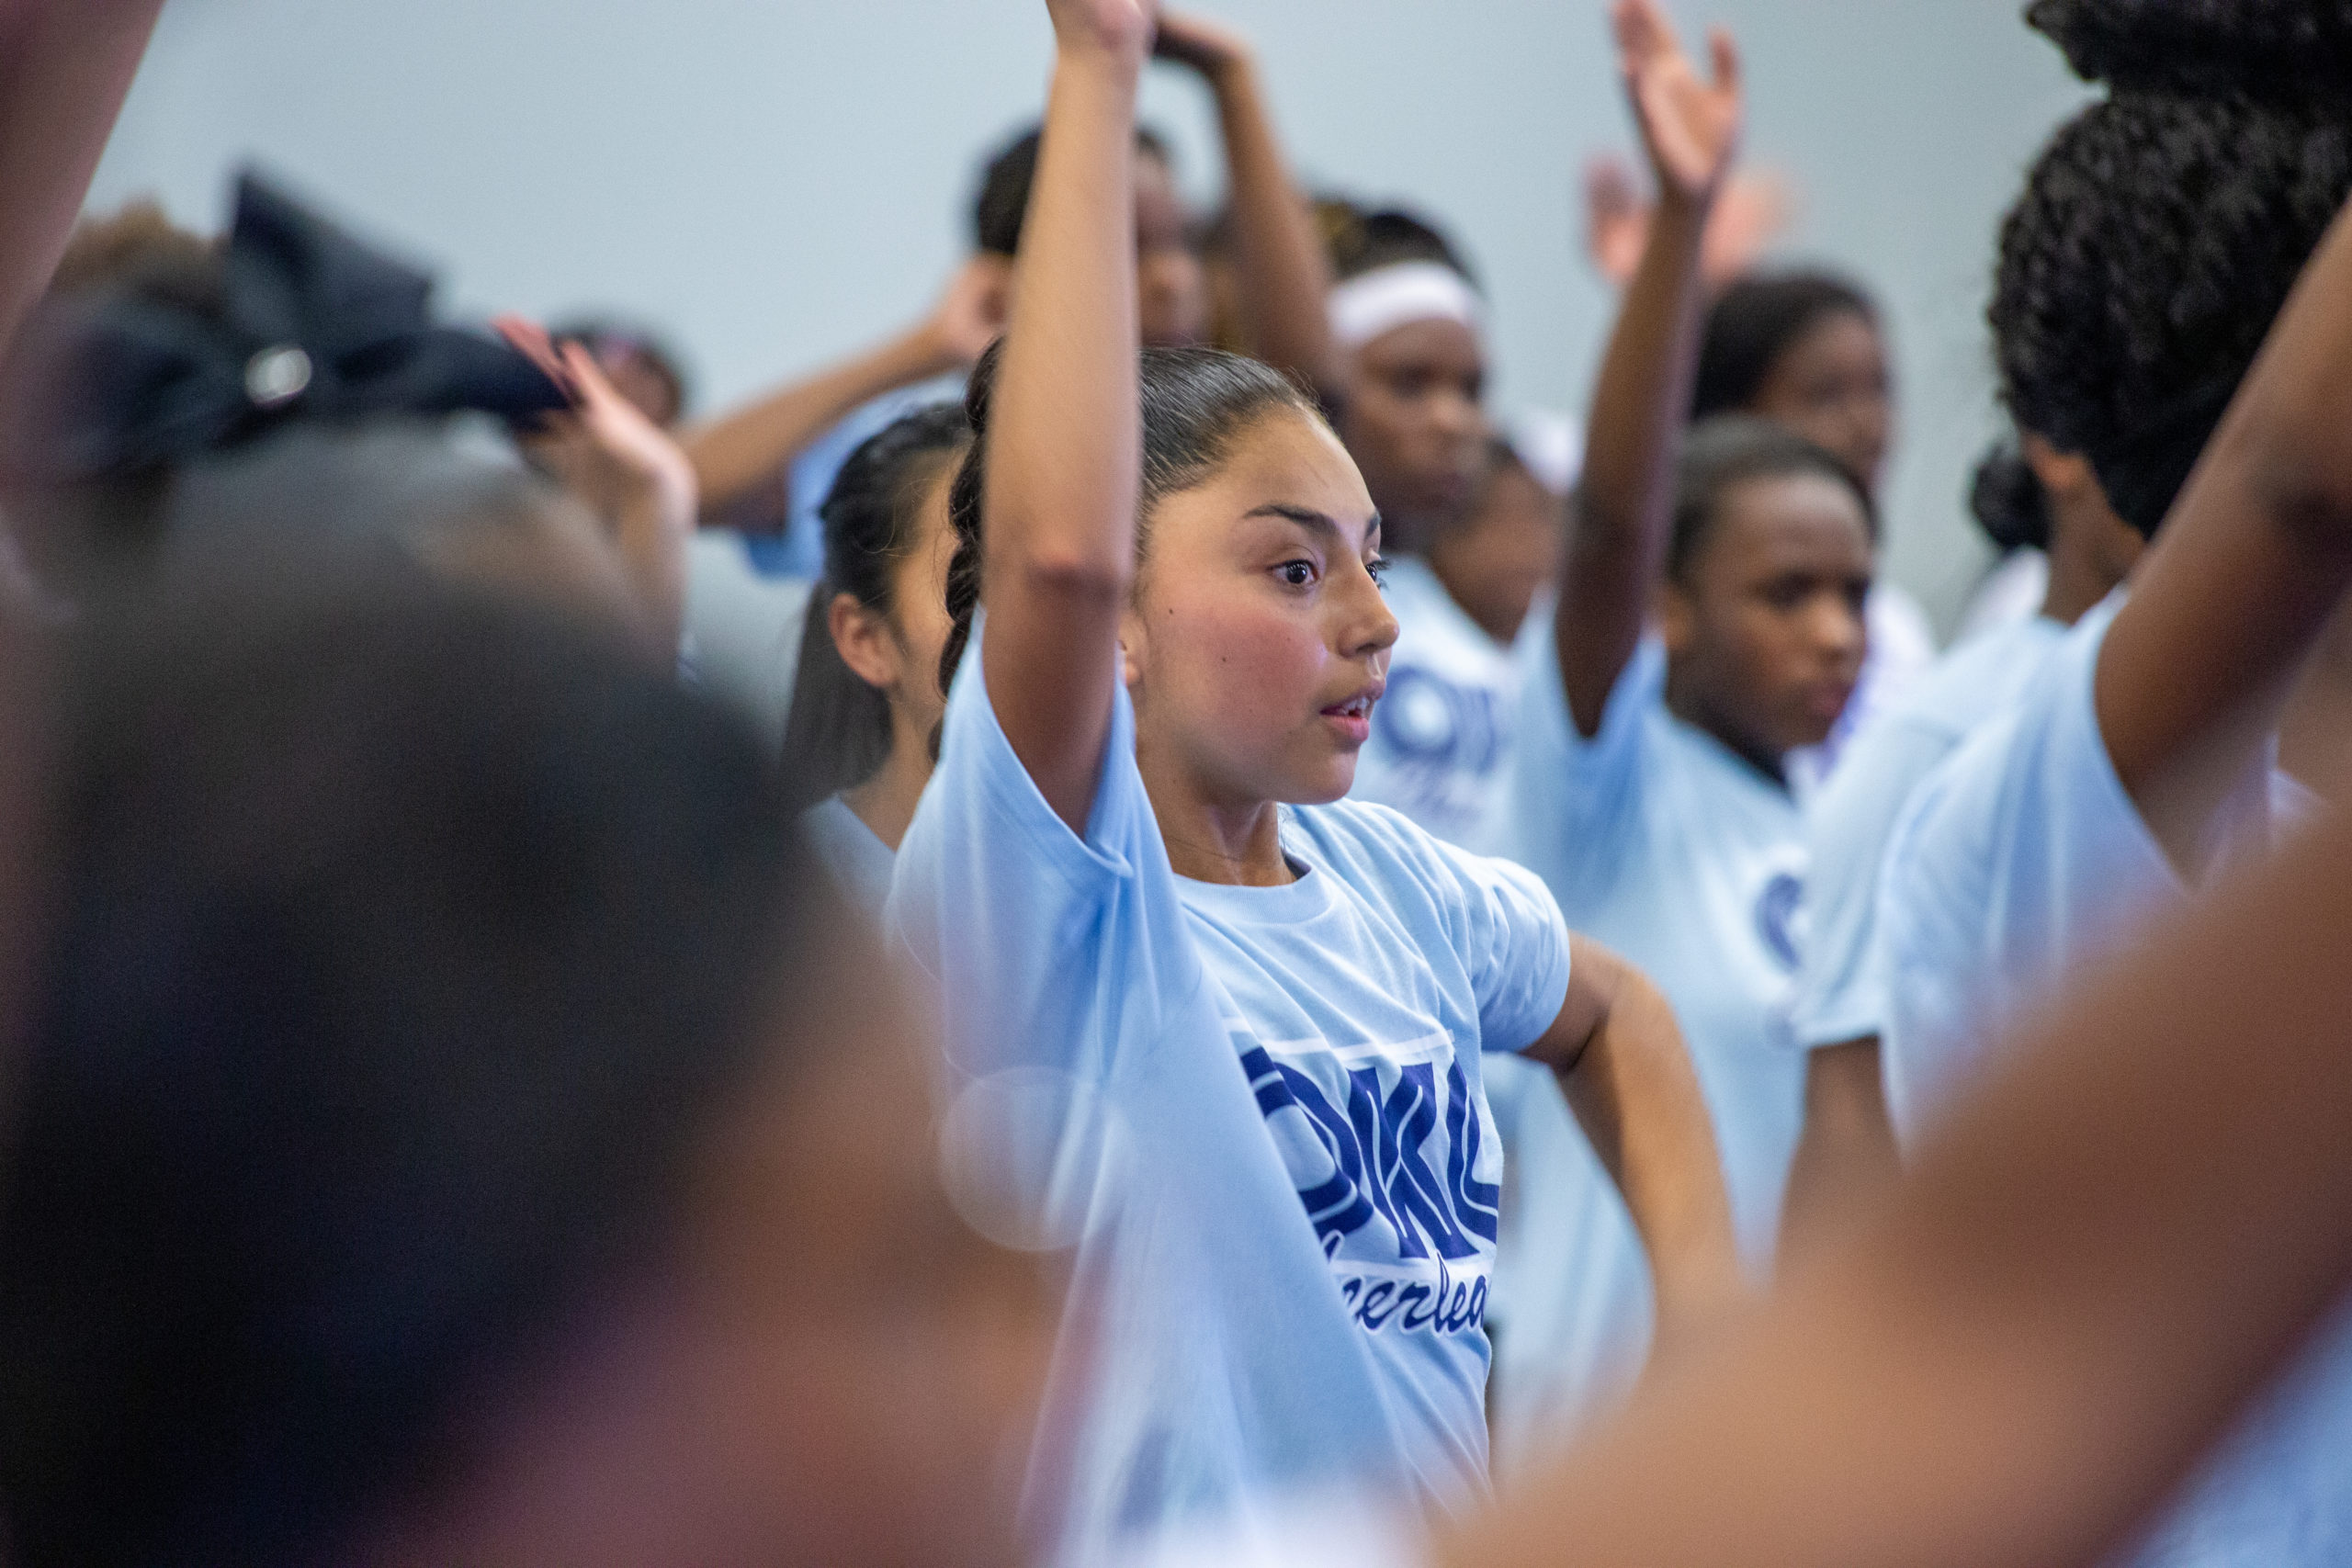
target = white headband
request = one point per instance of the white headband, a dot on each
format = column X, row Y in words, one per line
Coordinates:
column 1390, row 296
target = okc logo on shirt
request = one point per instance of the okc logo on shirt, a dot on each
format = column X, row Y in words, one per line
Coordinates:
column 1432, row 721
column 1388, row 1173
column 1776, row 908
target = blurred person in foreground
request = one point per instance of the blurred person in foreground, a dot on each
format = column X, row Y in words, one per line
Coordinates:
column 178, row 406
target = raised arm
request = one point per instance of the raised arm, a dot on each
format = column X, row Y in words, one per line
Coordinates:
column 2256, row 553
column 2085, row 1275
column 65, row 66
column 745, row 447
column 631, row 475
column 1284, row 273
column 1627, row 1075
column 1063, row 437
column 1616, row 545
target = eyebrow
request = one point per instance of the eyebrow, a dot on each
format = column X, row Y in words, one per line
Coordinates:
column 1308, row 518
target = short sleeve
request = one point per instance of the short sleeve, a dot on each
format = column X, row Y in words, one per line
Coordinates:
column 2021, row 860
column 1047, row 948
column 1569, row 795
column 1513, row 943
column 1841, row 988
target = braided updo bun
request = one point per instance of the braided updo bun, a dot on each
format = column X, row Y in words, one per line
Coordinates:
column 2161, row 229
column 2261, row 48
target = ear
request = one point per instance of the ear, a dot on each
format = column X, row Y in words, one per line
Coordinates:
column 1677, row 616
column 864, row 641
column 1134, row 649
column 2062, row 475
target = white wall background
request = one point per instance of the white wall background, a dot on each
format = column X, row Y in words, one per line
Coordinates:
column 776, row 181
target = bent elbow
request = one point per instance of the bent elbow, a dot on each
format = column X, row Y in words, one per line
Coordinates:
column 2305, row 491
column 1076, row 577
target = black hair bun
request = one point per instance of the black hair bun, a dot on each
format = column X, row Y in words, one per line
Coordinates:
column 2008, row 501
column 1362, row 239
column 2264, row 49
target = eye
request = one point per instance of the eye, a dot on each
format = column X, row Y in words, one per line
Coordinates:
column 1378, row 567
column 1296, row 574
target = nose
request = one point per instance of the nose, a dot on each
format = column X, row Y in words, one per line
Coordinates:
column 1869, row 422
column 1458, row 417
column 1173, row 295
column 1368, row 626
column 1839, row 630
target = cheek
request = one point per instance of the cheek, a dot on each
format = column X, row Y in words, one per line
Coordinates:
column 1232, row 660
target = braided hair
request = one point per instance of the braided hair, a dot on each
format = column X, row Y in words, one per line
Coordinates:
column 2161, row 229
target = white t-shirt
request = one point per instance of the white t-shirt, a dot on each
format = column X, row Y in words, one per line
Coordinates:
column 2020, row 860
column 859, row 863
column 1439, row 745
column 2017, row 860
column 1841, row 991
column 2013, row 591
column 1662, row 843
column 1278, row 1159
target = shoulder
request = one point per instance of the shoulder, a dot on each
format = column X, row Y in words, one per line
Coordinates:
column 1362, row 840
column 1979, row 677
column 1385, row 853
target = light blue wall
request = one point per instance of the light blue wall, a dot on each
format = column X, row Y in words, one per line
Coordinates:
column 777, row 180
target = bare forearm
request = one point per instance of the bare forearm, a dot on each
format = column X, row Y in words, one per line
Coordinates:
column 653, row 535
column 1285, row 275
column 65, row 67
column 737, row 451
column 1637, row 1098
column 1616, row 544
column 1064, row 439
column 1846, row 1154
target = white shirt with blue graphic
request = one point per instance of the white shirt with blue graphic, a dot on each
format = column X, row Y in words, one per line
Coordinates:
column 1284, row 1191
column 1662, row 843
column 1441, row 738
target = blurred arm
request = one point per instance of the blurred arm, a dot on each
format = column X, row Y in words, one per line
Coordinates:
column 737, row 451
column 65, row 67
column 2237, row 589
column 1285, row 272
column 1064, row 437
column 1626, row 1074
column 1617, row 531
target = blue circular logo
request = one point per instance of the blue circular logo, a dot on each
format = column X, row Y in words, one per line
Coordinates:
column 1776, row 917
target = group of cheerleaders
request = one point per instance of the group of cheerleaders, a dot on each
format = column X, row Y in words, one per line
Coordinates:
column 462, row 1123
column 1104, row 865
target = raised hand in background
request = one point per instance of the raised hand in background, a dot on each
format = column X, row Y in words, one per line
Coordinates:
column 1689, row 127
column 1754, row 209
column 622, row 467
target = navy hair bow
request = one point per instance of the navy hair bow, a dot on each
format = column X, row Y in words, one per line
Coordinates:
column 311, row 325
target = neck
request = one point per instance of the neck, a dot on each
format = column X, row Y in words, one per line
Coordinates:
column 1210, row 838
column 1492, row 619
column 886, row 803
column 2078, row 580
column 1686, row 704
